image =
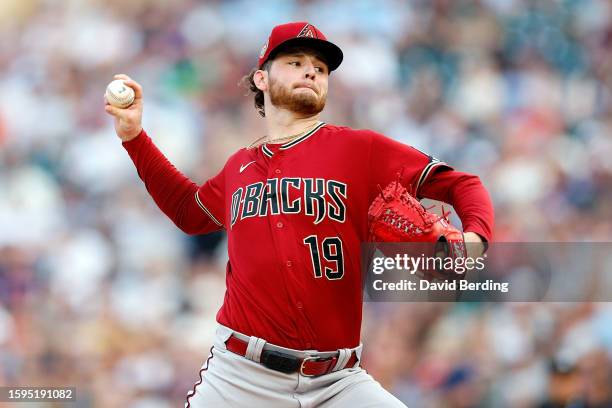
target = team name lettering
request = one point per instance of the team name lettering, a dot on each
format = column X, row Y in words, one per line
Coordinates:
column 315, row 197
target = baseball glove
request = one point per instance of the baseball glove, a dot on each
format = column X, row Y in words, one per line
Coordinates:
column 396, row 216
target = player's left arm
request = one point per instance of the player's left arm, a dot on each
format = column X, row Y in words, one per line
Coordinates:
column 425, row 176
column 468, row 196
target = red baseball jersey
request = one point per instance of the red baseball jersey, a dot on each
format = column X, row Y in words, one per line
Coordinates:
column 295, row 216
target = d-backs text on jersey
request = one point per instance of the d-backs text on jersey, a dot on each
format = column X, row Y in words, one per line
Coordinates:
column 315, row 197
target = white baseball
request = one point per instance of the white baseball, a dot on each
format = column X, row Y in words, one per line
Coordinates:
column 119, row 94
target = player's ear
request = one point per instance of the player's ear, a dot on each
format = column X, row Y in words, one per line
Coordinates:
column 260, row 78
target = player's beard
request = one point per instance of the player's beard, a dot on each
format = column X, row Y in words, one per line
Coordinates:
column 305, row 103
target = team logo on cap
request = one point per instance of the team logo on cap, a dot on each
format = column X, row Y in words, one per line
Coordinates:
column 263, row 49
column 307, row 31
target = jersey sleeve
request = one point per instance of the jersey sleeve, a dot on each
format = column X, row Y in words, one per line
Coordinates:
column 468, row 197
column 195, row 210
column 390, row 159
column 210, row 198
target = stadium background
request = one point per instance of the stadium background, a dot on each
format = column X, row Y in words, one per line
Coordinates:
column 100, row 291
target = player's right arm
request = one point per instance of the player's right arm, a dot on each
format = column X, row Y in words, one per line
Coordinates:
column 195, row 210
column 128, row 121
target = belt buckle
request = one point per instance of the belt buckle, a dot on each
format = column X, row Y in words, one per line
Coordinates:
column 302, row 366
column 313, row 359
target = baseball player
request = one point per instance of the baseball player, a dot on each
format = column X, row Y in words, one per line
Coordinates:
column 294, row 205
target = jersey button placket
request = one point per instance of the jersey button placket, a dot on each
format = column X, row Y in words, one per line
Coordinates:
column 275, row 171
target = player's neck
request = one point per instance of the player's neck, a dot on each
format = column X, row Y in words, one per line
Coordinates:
column 281, row 124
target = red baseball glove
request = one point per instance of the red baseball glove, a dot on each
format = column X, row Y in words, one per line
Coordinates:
column 396, row 216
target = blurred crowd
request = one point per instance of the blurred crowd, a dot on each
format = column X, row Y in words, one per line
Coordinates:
column 100, row 291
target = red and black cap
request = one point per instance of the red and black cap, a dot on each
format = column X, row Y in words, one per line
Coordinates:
column 297, row 34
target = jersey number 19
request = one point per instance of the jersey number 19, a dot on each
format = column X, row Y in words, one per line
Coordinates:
column 332, row 253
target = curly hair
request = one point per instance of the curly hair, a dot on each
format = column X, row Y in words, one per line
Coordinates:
column 258, row 95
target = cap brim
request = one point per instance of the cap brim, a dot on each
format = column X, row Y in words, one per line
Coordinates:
column 332, row 53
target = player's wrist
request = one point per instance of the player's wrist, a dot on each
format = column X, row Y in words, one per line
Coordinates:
column 126, row 137
column 472, row 237
column 475, row 245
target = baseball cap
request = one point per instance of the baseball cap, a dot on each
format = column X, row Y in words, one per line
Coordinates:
column 300, row 33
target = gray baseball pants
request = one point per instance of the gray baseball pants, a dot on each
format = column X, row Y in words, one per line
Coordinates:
column 233, row 381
